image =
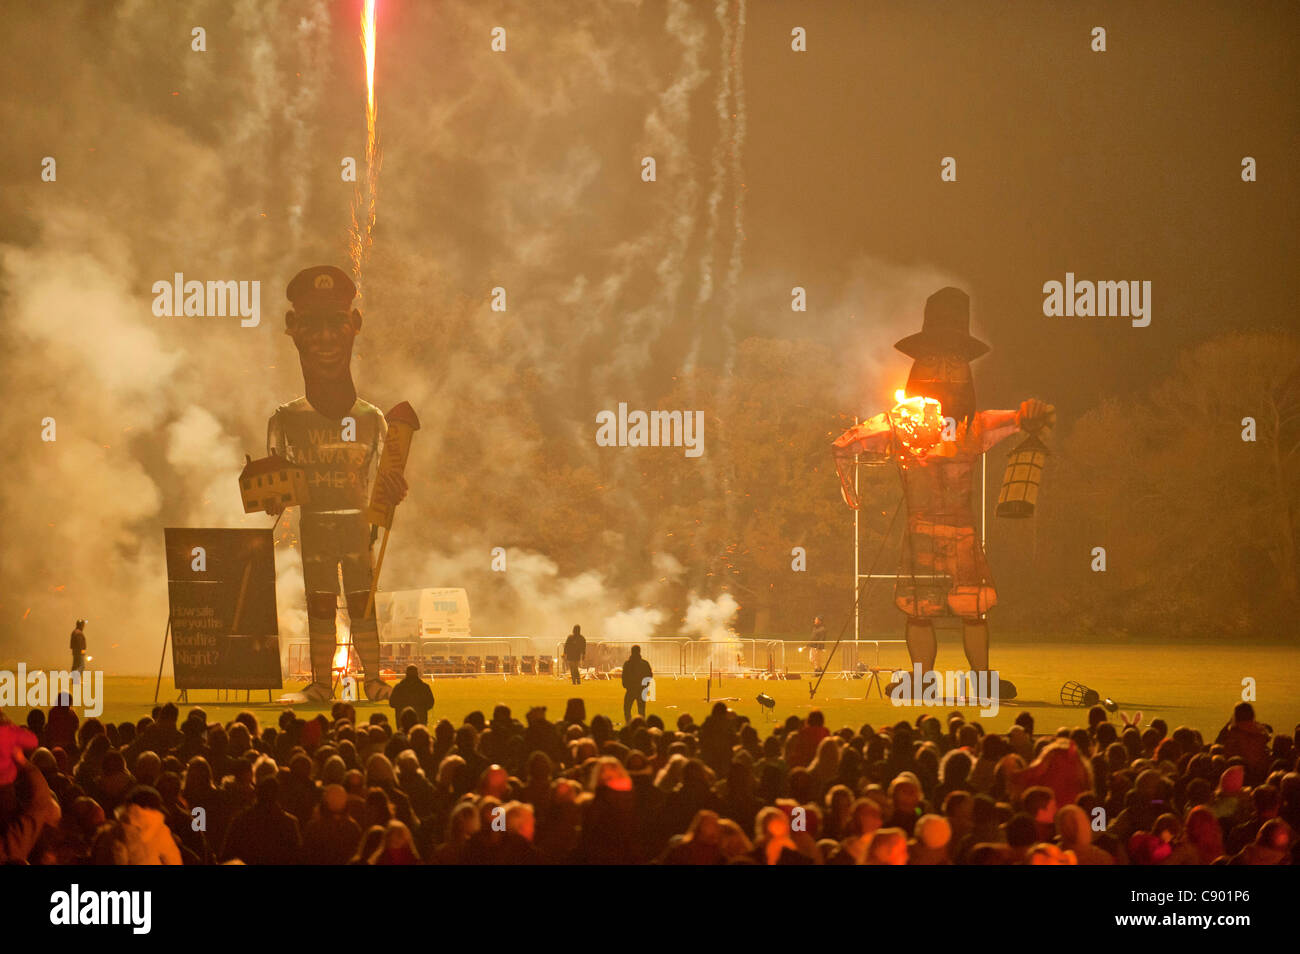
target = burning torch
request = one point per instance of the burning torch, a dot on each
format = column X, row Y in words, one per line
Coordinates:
column 402, row 424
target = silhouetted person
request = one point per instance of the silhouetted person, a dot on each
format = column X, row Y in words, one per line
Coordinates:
column 332, row 837
column 1245, row 737
column 717, row 738
column 414, row 692
column 817, row 644
column 78, row 646
column 264, row 833
column 575, row 648
column 636, row 673
column 162, row 736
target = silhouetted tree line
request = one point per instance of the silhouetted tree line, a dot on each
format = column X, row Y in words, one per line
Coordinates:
column 1198, row 525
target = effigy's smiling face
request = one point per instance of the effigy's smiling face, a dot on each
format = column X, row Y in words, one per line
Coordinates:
column 947, row 379
column 324, row 340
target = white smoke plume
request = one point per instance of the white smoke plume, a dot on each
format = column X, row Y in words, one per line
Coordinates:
column 638, row 623
column 518, row 170
column 711, row 619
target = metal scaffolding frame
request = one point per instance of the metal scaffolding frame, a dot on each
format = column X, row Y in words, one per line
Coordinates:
column 859, row 576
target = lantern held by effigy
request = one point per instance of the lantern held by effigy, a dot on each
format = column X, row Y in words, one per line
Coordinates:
column 1021, row 479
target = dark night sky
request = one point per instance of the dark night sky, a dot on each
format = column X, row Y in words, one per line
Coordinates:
column 1116, row 165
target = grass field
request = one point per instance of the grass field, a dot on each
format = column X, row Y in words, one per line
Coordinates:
column 1194, row 685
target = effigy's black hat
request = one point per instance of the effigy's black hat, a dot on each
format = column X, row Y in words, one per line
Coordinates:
column 945, row 329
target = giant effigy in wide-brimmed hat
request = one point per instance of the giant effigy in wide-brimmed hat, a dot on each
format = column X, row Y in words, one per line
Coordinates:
column 946, row 328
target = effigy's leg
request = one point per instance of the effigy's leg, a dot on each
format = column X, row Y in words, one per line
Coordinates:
column 975, row 640
column 921, row 644
column 365, row 637
column 320, row 573
column 354, row 535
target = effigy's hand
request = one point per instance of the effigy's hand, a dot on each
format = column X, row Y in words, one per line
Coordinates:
column 392, row 486
column 1036, row 415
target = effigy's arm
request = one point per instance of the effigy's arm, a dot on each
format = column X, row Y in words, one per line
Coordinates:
column 866, row 437
column 996, row 426
column 871, row 436
column 276, row 441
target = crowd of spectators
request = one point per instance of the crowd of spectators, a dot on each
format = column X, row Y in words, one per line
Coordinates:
column 330, row 790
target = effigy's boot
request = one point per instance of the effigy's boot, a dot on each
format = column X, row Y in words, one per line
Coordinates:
column 975, row 640
column 323, row 638
column 922, row 648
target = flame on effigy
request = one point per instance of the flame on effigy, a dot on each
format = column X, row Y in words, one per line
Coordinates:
column 918, row 422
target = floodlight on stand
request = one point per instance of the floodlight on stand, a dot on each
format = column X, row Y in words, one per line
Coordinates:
column 766, row 702
column 1077, row 694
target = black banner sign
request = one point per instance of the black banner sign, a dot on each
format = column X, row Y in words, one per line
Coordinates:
column 221, row 587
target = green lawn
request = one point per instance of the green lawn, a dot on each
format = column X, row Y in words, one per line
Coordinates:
column 1193, row 685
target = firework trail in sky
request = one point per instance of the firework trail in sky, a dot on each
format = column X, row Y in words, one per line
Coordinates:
column 363, row 206
column 736, row 69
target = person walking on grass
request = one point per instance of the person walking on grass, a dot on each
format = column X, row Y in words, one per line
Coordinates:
column 575, row 648
column 638, row 681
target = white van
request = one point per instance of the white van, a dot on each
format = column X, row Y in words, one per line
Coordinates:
column 418, row 616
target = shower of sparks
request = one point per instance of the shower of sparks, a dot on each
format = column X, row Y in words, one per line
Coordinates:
column 363, row 205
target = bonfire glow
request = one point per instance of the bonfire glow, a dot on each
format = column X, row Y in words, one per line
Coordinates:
column 343, row 626
column 918, row 422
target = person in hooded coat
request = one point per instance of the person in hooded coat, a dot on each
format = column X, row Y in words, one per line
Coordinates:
column 414, row 692
column 148, row 839
column 636, row 672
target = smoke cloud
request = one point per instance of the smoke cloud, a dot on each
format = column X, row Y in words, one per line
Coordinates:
column 518, row 170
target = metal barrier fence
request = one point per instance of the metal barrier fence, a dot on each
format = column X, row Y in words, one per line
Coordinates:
column 861, row 655
column 668, row 656
column 733, row 656
column 603, row 655
column 740, row 656
column 681, row 656
column 468, row 656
